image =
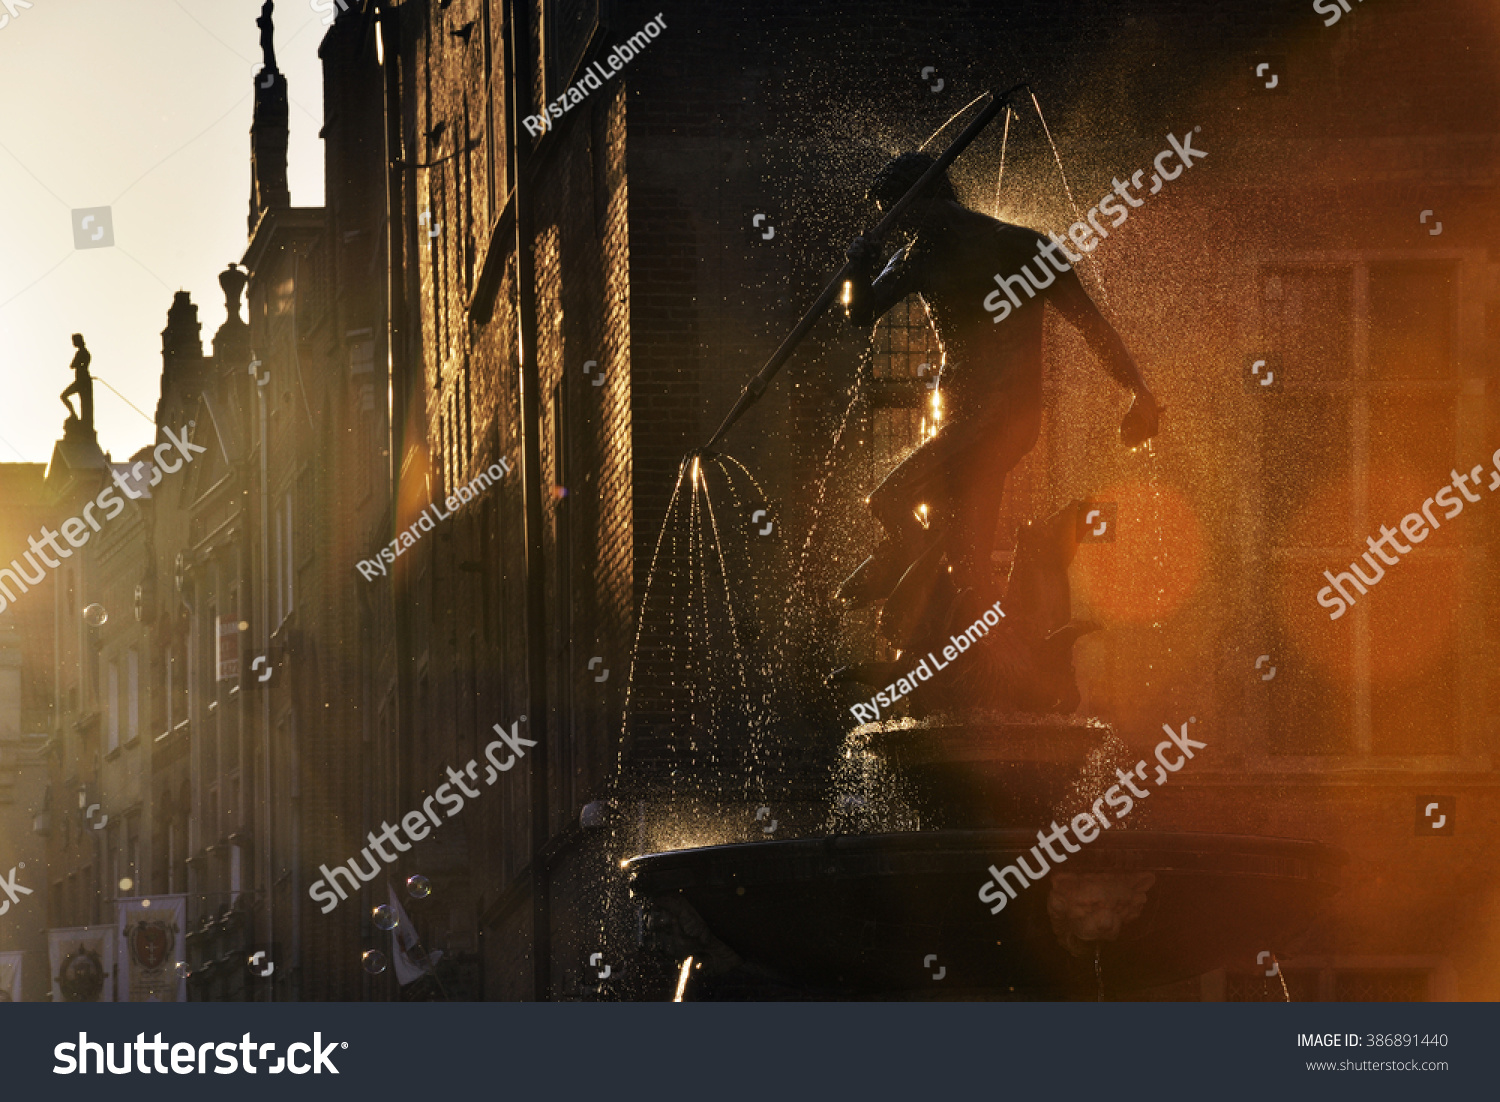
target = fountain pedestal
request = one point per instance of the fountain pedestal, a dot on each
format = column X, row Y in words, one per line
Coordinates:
column 900, row 915
column 985, row 774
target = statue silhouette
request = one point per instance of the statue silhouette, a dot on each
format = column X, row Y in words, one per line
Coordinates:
column 941, row 505
column 83, row 386
column 267, row 31
column 990, row 379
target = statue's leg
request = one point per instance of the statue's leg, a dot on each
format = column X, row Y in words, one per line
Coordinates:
column 1008, row 435
column 967, row 486
column 919, row 479
column 976, row 516
column 932, row 476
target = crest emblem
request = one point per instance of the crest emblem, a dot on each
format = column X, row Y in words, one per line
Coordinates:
column 81, row 977
column 151, row 942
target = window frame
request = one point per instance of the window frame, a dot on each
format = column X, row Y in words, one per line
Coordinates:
column 1466, row 385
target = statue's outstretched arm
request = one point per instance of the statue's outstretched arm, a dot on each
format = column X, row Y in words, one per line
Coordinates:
column 1103, row 339
column 1142, row 420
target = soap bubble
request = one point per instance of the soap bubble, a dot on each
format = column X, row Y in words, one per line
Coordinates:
column 181, row 970
column 373, row 961
column 96, row 616
column 418, row 886
column 385, row 916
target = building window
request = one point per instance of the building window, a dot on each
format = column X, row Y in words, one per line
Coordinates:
column 132, row 871
column 236, row 862
column 209, row 665
column 1298, row 985
column 466, row 201
column 1301, row 985
column 599, row 162
column 900, row 408
column 90, row 647
column 1363, row 427
column 490, row 92
column 362, row 377
column 562, row 518
column 567, row 28
column 487, row 557
column 113, row 703
column 1380, row 986
column 133, row 696
column 177, row 690
column 291, row 552
column 279, row 582
column 437, row 265
column 286, row 564
column 468, row 404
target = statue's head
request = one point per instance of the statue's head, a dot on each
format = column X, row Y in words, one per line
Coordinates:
column 896, row 179
column 77, row 340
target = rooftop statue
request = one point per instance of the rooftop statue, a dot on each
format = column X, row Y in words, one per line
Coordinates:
column 83, row 386
column 267, row 31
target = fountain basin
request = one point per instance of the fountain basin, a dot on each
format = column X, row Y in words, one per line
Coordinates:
column 880, row 915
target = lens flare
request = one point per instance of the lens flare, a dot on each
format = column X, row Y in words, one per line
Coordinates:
column 1155, row 561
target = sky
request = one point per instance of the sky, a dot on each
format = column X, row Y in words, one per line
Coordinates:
column 144, row 107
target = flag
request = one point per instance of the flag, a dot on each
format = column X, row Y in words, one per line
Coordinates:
column 83, row 963
column 152, row 941
column 10, row 977
column 412, row 962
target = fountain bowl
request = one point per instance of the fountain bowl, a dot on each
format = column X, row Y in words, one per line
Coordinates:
column 899, row 915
